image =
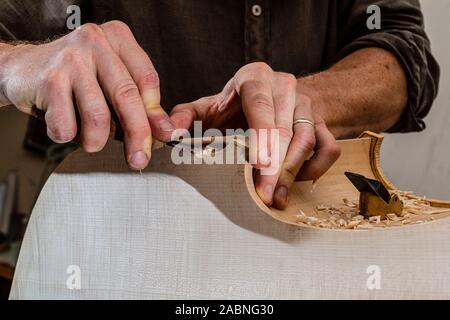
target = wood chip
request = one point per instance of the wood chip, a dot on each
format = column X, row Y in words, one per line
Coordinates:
column 376, row 219
column 392, row 217
column 345, row 215
column 322, row 208
column 353, row 224
column 349, row 203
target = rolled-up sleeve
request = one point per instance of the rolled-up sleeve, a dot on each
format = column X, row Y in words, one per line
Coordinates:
column 402, row 33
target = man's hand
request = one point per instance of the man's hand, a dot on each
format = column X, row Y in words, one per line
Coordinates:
column 269, row 100
column 82, row 71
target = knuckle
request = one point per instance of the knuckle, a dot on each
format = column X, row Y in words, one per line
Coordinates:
column 58, row 130
column 285, row 132
column 89, row 33
column 70, row 57
column 260, row 67
column 287, row 80
column 305, row 144
column 117, row 27
column 150, row 79
column 334, row 151
column 97, row 118
column 308, row 143
column 126, row 92
column 262, row 102
column 256, row 69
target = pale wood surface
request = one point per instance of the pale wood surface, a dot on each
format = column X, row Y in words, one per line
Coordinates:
column 196, row 232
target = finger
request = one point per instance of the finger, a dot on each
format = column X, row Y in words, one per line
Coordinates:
column 184, row 115
column 123, row 93
column 284, row 94
column 301, row 147
column 254, row 87
column 326, row 153
column 227, row 95
column 94, row 112
column 60, row 114
column 144, row 74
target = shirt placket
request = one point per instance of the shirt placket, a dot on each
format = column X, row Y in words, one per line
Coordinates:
column 256, row 30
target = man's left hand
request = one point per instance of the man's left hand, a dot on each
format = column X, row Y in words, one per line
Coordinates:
column 261, row 98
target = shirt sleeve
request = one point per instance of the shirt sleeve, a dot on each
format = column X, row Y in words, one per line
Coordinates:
column 33, row 20
column 402, row 33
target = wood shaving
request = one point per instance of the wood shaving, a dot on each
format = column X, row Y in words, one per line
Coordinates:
column 375, row 220
column 314, row 185
column 365, row 226
column 353, row 224
column 392, row 217
column 348, row 203
column 345, row 215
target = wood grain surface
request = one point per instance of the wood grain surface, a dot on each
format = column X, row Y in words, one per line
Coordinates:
column 195, row 231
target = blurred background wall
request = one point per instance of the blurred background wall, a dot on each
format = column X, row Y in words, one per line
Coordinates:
column 420, row 162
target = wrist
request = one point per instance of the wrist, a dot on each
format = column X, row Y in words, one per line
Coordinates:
column 312, row 87
column 5, row 51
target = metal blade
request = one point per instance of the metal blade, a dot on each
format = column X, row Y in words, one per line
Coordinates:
column 364, row 184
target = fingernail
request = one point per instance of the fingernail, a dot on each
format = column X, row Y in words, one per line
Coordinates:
column 139, row 160
column 281, row 194
column 264, row 158
column 166, row 125
column 268, row 192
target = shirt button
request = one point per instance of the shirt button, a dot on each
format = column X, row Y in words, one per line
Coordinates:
column 256, row 10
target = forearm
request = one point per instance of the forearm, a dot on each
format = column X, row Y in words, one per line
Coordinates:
column 365, row 91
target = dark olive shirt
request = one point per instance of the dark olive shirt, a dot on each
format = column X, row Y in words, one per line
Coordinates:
column 198, row 45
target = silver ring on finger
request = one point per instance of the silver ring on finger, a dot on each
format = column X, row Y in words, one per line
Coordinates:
column 304, row 121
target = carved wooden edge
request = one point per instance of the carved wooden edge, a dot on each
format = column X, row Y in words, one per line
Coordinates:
column 374, row 156
column 375, row 163
column 376, row 141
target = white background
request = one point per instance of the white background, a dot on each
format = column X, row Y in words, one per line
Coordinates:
column 420, row 162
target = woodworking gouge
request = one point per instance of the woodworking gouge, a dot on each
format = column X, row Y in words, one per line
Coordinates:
column 375, row 199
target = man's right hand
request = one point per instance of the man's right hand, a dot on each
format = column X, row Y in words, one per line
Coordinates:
column 83, row 70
